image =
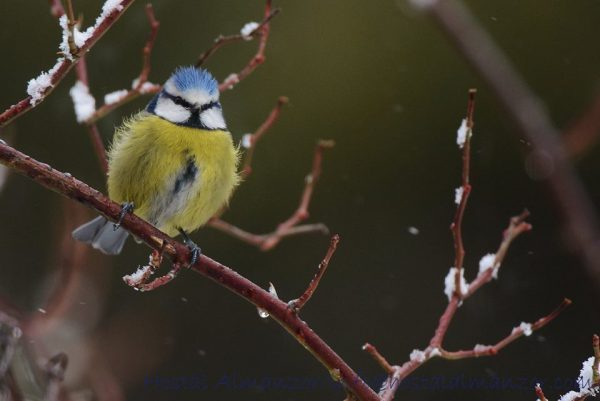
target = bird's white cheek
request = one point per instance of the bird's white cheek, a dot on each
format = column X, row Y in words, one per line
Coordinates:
column 168, row 110
column 213, row 118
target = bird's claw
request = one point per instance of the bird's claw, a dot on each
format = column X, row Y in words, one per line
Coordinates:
column 126, row 207
column 194, row 249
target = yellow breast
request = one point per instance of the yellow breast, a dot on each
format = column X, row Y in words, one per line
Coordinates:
column 176, row 176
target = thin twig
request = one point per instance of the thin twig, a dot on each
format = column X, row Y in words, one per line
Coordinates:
column 258, row 134
column 298, row 303
column 517, row 332
column 63, row 66
column 224, row 40
column 255, row 61
column 456, row 226
column 68, row 186
column 73, row 49
column 259, row 239
column 380, row 359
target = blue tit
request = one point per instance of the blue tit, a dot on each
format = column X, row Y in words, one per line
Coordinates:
column 175, row 161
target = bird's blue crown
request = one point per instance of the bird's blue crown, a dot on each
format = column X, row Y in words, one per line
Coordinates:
column 186, row 78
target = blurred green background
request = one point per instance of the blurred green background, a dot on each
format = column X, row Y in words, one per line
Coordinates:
column 385, row 84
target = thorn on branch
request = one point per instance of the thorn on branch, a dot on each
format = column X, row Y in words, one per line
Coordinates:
column 298, row 303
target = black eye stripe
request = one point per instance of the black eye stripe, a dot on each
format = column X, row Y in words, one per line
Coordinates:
column 179, row 101
column 183, row 103
column 210, row 106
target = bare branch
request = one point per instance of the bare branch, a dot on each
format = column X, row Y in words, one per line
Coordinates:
column 456, row 226
column 517, row 332
column 380, row 359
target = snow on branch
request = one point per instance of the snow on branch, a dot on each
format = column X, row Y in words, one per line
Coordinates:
column 40, row 87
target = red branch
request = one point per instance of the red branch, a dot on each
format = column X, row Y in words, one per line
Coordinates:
column 258, row 58
column 64, row 65
column 70, row 187
column 289, row 227
column 517, row 332
column 380, row 359
column 298, row 303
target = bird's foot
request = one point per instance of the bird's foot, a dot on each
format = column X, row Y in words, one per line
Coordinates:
column 126, row 207
column 194, row 249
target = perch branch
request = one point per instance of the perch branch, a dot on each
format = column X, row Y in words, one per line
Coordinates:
column 531, row 119
column 68, row 186
column 298, row 303
column 63, row 66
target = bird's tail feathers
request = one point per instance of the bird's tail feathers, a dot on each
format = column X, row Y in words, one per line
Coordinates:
column 101, row 235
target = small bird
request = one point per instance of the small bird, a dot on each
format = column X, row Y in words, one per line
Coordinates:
column 175, row 162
